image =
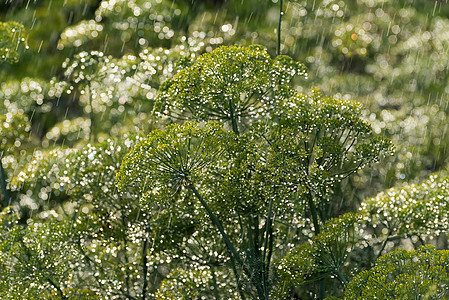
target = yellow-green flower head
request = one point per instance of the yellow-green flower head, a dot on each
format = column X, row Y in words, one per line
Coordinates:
column 229, row 82
column 169, row 159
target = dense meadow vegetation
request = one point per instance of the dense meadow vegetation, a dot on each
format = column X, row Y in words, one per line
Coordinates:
column 220, row 149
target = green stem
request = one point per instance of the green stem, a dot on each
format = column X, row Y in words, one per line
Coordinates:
column 384, row 244
column 256, row 237
column 341, row 277
column 314, row 213
column 281, row 13
column 125, row 254
column 57, row 287
column 270, row 251
column 324, row 208
column 252, row 246
column 214, row 282
column 233, row 120
column 265, row 246
column 322, row 293
column 227, row 241
column 236, row 276
column 256, row 267
column 144, row 268
column 220, row 228
column 322, row 289
column 3, row 182
column 252, row 252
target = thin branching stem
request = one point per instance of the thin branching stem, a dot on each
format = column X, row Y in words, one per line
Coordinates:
column 253, row 257
column 270, row 249
column 384, row 244
column 265, row 246
column 233, row 118
column 57, row 287
column 341, row 277
column 281, row 13
column 220, row 228
column 236, row 276
column 252, row 251
column 3, row 182
column 227, row 241
column 145, row 266
column 313, row 211
column 126, row 257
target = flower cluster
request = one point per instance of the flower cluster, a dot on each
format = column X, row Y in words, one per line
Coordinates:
column 401, row 274
column 12, row 38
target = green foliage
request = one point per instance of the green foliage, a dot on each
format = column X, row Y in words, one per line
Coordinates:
column 311, row 143
column 190, row 284
column 81, row 68
column 37, row 259
column 183, row 284
column 143, row 76
column 324, row 256
column 294, row 159
column 169, row 159
column 119, row 240
column 40, row 180
column 332, row 137
column 68, row 132
column 14, row 129
column 413, row 209
column 389, row 55
column 12, row 40
column 125, row 103
column 229, row 84
column 127, row 26
column 28, row 94
column 401, row 274
column 115, row 232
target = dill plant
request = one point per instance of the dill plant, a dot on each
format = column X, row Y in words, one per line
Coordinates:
column 246, row 172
